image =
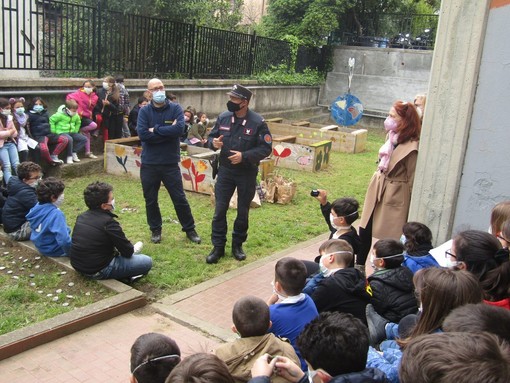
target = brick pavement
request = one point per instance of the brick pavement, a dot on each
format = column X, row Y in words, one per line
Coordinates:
column 195, row 318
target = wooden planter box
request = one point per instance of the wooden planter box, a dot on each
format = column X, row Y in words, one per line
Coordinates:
column 291, row 152
column 343, row 139
column 122, row 157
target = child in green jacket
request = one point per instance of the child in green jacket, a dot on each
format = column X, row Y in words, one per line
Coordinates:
column 67, row 122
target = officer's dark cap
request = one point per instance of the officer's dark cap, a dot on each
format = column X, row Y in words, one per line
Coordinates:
column 240, row 91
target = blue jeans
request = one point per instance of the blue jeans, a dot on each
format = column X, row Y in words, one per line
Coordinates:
column 76, row 143
column 10, row 159
column 228, row 179
column 151, row 177
column 121, row 267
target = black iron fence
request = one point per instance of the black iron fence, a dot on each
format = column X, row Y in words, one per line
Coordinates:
column 414, row 31
column 59, row 38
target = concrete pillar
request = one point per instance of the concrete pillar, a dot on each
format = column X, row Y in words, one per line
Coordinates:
column 445, row 132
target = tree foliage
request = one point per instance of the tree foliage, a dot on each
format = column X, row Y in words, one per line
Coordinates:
column 221, row 14
column 313, row 20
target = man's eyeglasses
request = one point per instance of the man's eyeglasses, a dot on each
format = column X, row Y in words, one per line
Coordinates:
column 157, row 88
column 448, row 254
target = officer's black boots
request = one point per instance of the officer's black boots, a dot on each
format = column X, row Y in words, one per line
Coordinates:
column 237, row 252
column 215, row 254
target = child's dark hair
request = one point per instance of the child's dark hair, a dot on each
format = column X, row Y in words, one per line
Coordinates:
column 251, row 316
column 417, row 234
column 90, row 82
column 4, row 102
column 200, row 368
column 119, row 78
column 334, row 337
column 25, row 168
column 389, row 248
column 347, row 208
column 172, row 97
column 48, row 188
column 341, row 247
column 96, row 194
column 141, row 99
column 34, row 100
column 153, row 357
column 291, row 274
column 13, row 101
column 477, row 318
column 190, row 112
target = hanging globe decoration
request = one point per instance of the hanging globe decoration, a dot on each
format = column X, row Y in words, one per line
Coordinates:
column 346, row 110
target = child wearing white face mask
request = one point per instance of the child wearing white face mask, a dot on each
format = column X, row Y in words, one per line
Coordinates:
column 50, row 233
column 8, row 134
column 391, row 284
column 67, row 122
column 339, row 217
column 290, row 310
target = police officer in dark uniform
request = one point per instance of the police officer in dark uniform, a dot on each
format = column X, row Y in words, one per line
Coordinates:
column 243, row 139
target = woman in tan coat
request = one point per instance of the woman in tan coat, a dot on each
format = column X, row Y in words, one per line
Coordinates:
column 389, row 193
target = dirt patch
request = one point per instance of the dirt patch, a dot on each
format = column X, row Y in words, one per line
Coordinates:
column 35, row 288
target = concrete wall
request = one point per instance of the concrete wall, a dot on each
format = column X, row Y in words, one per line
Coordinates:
column 486, row 169
column 381, row 75
column 207, row 95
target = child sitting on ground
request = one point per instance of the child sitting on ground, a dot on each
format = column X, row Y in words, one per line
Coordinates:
column 100, row 249
column 251, row 321
column 153, row 357
column 391, row 284
column 50, row 233
column 344, row 288
column 295, row 309
column 417, row 240
column 67, row 122
column 21, row 198
column 335, row 347
column 200, row 368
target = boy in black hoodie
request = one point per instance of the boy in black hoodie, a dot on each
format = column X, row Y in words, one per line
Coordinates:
column 344, row 288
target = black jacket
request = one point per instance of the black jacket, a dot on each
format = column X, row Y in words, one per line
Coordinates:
column 393, row 293
column 97, row 238
column 21, row 198
column 39, row 123
column 344, row 291
column 249, row 135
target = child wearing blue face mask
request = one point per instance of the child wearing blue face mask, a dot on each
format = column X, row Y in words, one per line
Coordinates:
column 39, row 130
column 50, row 233
column 417, row 241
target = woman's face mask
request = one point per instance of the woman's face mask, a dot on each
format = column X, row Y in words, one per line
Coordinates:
column 38, row 108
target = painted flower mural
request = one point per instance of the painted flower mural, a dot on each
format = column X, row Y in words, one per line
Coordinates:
column 195, row 174
column 120, row 155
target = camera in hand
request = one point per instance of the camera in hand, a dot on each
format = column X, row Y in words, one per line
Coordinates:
column 314, row 193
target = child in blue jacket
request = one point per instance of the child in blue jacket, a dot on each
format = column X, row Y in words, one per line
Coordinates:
column 50, row 233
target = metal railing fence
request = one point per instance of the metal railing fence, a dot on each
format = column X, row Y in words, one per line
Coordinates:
column 61, row 38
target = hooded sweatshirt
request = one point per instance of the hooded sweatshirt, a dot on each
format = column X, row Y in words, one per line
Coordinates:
column 344, row 292
column 21, row 198
column 50, row 233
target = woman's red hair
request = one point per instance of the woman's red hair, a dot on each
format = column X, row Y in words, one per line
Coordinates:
column 410, row 125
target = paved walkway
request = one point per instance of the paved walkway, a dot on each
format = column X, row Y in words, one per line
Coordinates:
column 198, row 319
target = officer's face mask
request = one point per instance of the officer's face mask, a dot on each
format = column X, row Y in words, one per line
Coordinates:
column 233, row 107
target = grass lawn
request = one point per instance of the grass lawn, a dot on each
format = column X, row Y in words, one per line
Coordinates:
column 179, row 264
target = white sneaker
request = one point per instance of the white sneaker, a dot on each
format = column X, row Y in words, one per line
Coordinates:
column 90, row 155
column 69, row 160
column 75, row 158
column 55, row 159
